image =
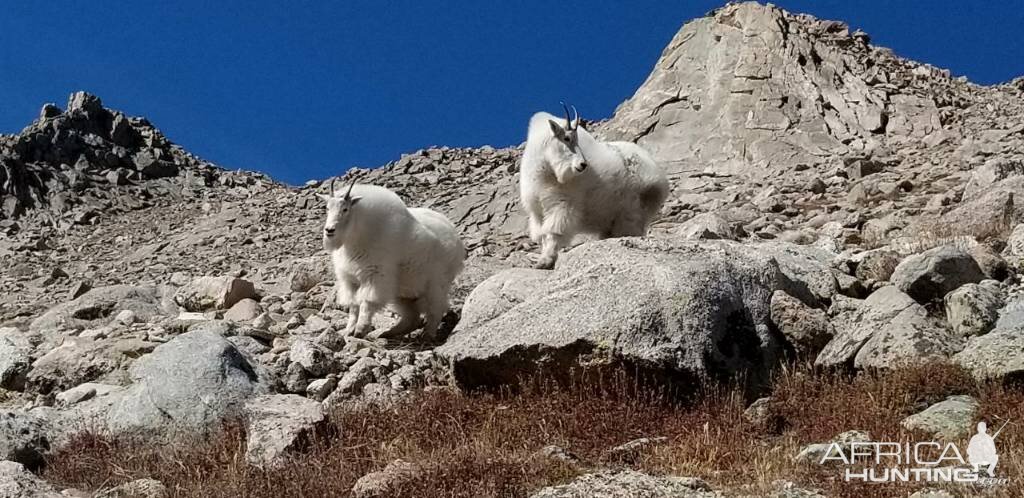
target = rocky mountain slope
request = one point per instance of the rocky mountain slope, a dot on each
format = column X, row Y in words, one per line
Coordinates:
column 831, row 202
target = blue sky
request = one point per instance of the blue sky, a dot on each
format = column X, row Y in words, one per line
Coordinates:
column 305, row 90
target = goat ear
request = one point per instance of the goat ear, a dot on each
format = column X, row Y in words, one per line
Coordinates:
column 354, row 200
column 557, row 129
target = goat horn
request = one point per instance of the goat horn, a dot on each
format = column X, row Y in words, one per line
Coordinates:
column 568, row 122
column 332, row 186
column 348, row 195
column 575, row 118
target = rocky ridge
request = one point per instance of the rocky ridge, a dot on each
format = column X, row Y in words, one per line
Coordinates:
column 831, row 201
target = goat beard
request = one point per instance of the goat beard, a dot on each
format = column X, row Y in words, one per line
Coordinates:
column 331, row 243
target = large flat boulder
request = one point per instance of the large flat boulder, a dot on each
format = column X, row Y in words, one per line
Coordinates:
column 279, row 424
column 949, row 419
column 807, row 268
column 934, row 273
column 986, row 212
column 189, row 385
column 998, row 354
column 82, row 359
column 684, row 309
column 888, row 329
column 992, row 172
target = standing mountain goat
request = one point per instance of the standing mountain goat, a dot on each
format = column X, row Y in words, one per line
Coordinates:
column 384, row 253
column 571, row 183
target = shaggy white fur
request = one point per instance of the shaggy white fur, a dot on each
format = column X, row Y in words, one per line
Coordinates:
column 572, row 183
column 386, row 254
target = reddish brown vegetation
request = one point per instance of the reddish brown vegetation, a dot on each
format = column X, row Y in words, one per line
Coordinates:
column 486, row 444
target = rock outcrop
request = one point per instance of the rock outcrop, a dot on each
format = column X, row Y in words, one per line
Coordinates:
column 187, row 386
column 151, row 292
column 687, row 310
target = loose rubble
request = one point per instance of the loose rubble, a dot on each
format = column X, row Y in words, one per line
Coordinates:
column 835, row 204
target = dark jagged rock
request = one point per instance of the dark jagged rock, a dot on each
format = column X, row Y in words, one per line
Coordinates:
column 77, row 150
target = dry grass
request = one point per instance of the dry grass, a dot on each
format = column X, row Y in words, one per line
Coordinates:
column 484, row 444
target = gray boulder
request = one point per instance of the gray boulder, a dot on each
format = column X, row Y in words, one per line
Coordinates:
column 610, row 484
column 992, row 264
column 814, row 453
column 932, row 274
column 205, row 293
column 245, row 311
column 1015, row 245
column 316, row 360
column 382, row 483
column 17, row 482
column 986, row 213
column 24, row 437
column 81, row 359
column 807, row 270
column 998, row 354
column 911, row 337
column 706, row 226
column 856, row 323
column 973, row 309
column 887, row 329
column 1015, row 241
column 689, row 309
column 279, row 424
column 14, row 359
column 153, row 167
column 85, row 392
column 139, row 488
column 876, row 265
column 361, row 374
column 187, row 386
column 932, row 493
column 84, row 102
column 500, row 293
column 805, row 328
column 306, row 273
column 949, row 419
column 992, row 172
column 1012, row 315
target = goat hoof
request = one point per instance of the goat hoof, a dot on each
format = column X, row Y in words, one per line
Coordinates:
column 545, row 264
column 361, row 332
column 390, row 334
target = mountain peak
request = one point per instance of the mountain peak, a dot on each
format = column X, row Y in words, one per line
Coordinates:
column 70, row 161
column 753, row 89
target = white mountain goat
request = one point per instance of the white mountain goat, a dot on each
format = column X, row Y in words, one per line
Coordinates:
column 571, row 183
column 384, row 253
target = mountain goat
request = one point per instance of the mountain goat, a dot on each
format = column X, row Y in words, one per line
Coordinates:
column 385, row 253
column 572, row 183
